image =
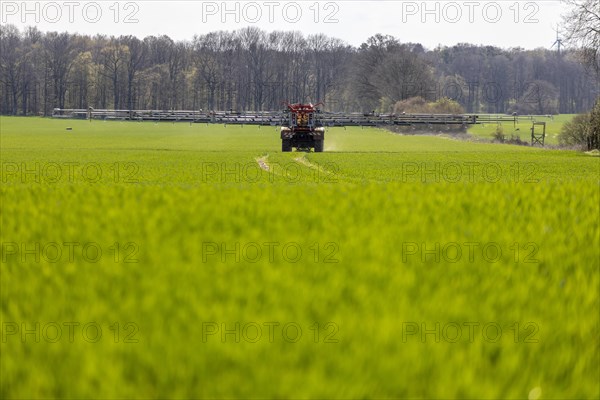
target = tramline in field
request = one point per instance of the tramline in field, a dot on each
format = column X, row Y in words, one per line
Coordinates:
column 302, row 125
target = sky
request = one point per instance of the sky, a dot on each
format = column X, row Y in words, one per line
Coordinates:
column 507, row 24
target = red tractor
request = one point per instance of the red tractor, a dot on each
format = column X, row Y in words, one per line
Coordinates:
column 302, row 128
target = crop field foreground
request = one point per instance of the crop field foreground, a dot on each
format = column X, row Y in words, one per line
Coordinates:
column 155, row 260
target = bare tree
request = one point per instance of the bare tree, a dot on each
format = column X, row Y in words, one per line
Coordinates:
column 541, row 97
column 80, row 75
column 582, row 27
column 208, row 64
column 11, row 65
column 371, row 55
column 594, row 138
column 115, row 57
column 134, row 63
column 400, row 76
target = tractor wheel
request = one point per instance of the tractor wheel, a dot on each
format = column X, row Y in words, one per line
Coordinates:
column 286, row 145
column 319, row 146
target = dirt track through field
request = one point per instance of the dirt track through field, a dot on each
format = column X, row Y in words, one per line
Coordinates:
column 262, row 163
column 334, row 175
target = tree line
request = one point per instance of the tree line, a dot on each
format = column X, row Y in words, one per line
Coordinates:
column 250, row 69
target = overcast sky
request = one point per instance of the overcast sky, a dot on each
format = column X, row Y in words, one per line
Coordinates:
column 512, row 23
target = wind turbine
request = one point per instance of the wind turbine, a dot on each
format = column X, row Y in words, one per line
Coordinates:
column 558, row 42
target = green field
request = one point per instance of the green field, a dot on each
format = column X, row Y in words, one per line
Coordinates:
column 144, row 260
column 522, row 129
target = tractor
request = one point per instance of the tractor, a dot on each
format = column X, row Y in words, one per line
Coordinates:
column 302, row 128
column 302, row 125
